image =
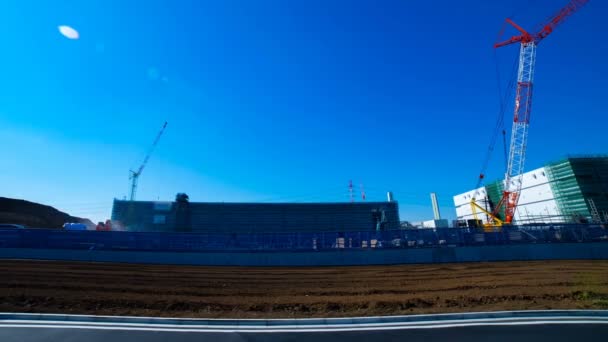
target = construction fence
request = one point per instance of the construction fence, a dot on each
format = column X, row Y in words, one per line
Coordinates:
column 313, row 241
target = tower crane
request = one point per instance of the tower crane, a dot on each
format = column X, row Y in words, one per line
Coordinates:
column 134, row 175
column 523, row 107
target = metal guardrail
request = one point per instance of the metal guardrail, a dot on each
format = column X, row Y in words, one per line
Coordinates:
column 309, row 241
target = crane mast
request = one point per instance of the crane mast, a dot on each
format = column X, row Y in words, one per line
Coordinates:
column 134, row 175
column 519, row 130
column 522, row 110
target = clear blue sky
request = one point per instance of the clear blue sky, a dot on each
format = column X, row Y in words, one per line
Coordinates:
column 281, row 100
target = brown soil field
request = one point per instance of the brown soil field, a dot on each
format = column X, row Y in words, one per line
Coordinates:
column 272, row 292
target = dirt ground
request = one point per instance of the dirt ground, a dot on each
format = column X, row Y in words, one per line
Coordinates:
column 240, row 292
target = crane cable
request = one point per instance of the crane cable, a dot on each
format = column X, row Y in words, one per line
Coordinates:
column 500, row 119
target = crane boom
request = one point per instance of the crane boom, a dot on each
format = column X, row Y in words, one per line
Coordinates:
column 559, row 17
column 143, row 164
column 134, row 176
column 523, row 107
column 547, row 28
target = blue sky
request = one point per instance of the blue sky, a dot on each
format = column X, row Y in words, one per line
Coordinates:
column 281, row 100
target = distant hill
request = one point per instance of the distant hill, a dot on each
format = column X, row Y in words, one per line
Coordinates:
column 34, row 215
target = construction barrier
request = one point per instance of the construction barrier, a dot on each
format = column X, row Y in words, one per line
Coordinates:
column 311, row 241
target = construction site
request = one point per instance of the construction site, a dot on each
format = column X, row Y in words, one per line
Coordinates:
column 573, row 190
column 514, row 244
column 245, row 292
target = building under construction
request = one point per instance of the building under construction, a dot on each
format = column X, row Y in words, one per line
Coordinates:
column 185, row 216
column 572, row 190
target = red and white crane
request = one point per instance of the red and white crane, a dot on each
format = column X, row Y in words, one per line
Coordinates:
column 523, row 107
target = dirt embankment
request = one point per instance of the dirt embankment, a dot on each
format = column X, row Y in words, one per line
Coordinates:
column 35, row 215
column 111, row 289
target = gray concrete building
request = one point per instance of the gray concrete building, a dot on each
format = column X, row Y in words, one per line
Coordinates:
column 185, row 216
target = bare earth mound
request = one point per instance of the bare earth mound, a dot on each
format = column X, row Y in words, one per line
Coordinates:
column 35, row 215
column 238, row 292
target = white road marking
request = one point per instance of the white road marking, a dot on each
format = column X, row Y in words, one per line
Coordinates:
column 474, row 313
column 262, row 325
column 295, row 329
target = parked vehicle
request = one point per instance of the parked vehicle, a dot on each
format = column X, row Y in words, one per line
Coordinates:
column 11, row 226
column 74, row 226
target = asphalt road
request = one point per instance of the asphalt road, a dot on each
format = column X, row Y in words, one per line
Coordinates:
column 519, row 333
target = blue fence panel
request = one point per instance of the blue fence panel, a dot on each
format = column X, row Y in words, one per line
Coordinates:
column 303, row 241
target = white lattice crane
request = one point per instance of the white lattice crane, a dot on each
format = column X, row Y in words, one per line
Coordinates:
column 134, row 175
